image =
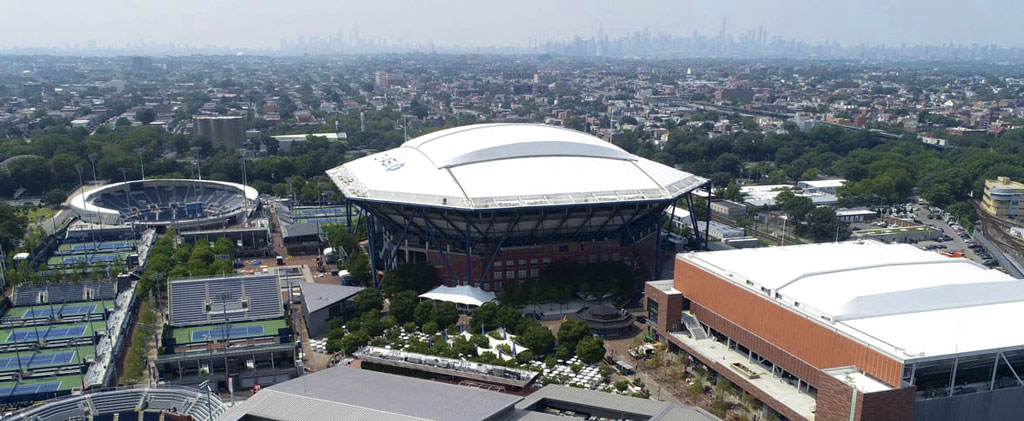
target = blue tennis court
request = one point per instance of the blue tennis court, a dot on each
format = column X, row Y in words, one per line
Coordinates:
column 110, row 245
column 46, row 312
column 28, row 389
column 92, row 258
column 218, row 333
column 51, row 333
column 56, row 358
column 38, row 360
column 11, row 363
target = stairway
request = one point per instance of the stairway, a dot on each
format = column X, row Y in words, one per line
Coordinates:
column 693, row 326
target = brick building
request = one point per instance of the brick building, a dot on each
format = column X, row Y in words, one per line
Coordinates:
column 899, row 332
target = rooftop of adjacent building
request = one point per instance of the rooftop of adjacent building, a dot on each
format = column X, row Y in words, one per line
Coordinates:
column 908, row 303
column 1004, row 183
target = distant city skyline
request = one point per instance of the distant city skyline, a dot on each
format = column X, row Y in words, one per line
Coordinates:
column 261, row 25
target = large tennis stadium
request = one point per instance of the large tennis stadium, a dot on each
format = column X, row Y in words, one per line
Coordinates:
column 166, row 202
column 493, row 203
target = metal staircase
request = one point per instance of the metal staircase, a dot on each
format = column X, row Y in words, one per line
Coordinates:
column 693, row 326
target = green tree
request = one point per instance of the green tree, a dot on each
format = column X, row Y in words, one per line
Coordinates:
column 358, row 265
column 402, row 306
column 538, row 338
column 145, row 116
column 368, row 299
column 224, row 247
column 353, row 341
column 444, row 314
column 590, row 350
column 423, row 312
column 570, row 333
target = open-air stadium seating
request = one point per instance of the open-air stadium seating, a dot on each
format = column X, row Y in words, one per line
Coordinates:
column 155, row 202
column 189, row 297
column 185, row 401
column 25, row 295
column 109, row 403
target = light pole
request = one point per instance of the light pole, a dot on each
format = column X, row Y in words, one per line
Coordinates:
column 209, row 411
column 142, row 166
column 124, row 173
column 198, row 163
column 92, row 159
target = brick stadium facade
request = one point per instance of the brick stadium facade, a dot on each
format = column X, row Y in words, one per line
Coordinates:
column 790, row 341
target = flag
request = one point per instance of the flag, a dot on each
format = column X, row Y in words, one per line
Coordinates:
column 482, row 331
column 461, row 327
column 430, row 342
column 446, row 336
column 514, row 348
column 503, row 334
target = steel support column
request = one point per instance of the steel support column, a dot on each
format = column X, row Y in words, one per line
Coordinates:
column 657, row 246
column 497, row 247
column 440, row 249
column 469, row 257
column 1019, row 381
column 371, row 228
column 952, row 376
column 707, row 222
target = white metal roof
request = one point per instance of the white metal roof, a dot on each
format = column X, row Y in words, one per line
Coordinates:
column 509, row 165
column 907, row 302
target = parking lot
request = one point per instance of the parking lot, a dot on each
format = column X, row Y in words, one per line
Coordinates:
column 954, row 239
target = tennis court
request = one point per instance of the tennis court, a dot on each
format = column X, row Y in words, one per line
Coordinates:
column 37, row 360
column 48, row 333
column 96, row 247
column 75, row 259
column 217, row 333
column 72, row 310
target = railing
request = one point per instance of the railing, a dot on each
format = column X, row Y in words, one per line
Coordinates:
column 693, row 326
column 193, row 393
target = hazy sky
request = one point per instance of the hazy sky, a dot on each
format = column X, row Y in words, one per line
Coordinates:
column 262, row 23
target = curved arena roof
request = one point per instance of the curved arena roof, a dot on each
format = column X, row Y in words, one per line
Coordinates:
column 509, row 165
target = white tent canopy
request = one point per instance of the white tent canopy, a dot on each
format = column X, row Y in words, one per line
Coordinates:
column 463, row 295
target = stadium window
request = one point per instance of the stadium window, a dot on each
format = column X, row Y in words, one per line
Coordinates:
column 510, row 274
column 510, row 262
column 604, row 257
column 593, row 258
column 522, row 262
column 533, row 261
column 522, row 273
column 497, row 285
column 534, row 273
column 563, row 249
column 497, row 264
column 497, row 275
column 546, row 260
column 616, row 257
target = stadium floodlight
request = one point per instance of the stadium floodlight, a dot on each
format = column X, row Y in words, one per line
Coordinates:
column 142, row 165
column 92, row 159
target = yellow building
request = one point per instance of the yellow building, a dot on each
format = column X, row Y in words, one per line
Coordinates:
column 1002, row 197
